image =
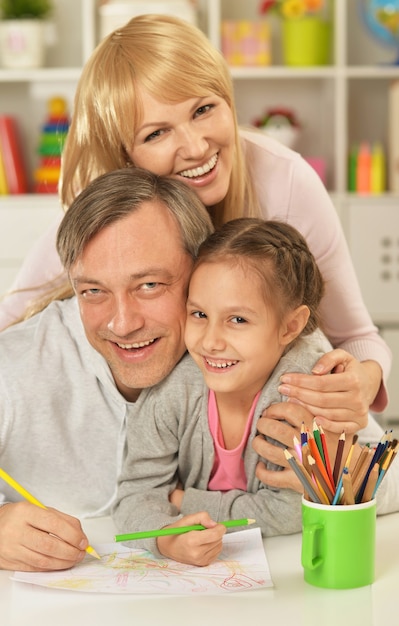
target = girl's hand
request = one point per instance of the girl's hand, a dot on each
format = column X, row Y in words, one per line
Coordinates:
column 338, row 393
column 197, row 547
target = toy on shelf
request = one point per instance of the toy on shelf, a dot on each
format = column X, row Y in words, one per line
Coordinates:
column 54, row 132
column 281, row 124
column 367, row 169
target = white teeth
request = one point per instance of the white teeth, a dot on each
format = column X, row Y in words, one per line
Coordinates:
column 141, row 344
column 221, row 365
column 200, row 171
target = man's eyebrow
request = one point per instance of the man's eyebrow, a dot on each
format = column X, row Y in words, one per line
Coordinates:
column 149, row 272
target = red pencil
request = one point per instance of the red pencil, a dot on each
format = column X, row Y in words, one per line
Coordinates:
column 314, row 450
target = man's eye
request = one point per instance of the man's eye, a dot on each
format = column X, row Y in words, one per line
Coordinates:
column 150, row 286
column 94, row 291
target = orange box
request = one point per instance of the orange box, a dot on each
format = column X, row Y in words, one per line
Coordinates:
column 246, row 43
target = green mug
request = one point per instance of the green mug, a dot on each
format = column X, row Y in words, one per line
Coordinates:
column 338, row 544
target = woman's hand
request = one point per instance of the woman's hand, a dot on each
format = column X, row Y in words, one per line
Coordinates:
column 338, row 393
column 282, row 422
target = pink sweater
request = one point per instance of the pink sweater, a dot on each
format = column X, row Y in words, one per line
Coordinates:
column 288, row 190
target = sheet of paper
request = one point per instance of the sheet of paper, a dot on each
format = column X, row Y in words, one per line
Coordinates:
column 242, row 566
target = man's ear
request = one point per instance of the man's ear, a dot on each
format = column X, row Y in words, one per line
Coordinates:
column 293, row 324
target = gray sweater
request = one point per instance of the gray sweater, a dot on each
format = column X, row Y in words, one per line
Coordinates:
column 175, row 444
column 62, row 419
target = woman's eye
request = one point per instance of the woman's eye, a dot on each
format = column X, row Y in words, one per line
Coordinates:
column 154, row 135
column 204, row 109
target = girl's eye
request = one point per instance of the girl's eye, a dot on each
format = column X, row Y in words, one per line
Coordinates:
column 199, row 315
column 238, row 320
column 204, row 109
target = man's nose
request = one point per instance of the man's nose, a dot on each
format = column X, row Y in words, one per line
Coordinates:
column 126, row 318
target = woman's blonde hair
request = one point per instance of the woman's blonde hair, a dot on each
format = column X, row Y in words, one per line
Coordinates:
column 173, row 61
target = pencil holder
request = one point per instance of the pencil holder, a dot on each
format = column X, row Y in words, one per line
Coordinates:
column 338, row 544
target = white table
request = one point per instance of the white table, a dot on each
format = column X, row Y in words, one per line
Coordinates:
column 291, row 601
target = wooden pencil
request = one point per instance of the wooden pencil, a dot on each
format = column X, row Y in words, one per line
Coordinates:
column 348, row 495
column 314, row 451
column 326, row 456
column 320, row 479
column 305, row 482
column 370, row 485
column 361, row 475
column 338, row 458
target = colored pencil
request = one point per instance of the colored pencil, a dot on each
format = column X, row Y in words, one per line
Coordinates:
column 338, row 490
column 298, row 448
column 326, row 456
column 381, row 475
column 320, row 479
column 30, row 498
column 303, row 476
column 371, row 483
column 304, row 436
column 178, row 530
column 348, row 495
column 314, row 450
column 317, row 438
column 338, row 458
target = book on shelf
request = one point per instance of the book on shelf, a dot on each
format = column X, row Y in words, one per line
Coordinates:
column 3, row 177
column 12, row 156
column 393, row 136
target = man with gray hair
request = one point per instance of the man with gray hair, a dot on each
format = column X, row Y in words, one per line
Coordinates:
column 70, row 375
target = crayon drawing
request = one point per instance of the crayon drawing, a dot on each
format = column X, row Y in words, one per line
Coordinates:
column 242, row 566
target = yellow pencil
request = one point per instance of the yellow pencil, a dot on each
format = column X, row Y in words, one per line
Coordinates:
column 28, row 496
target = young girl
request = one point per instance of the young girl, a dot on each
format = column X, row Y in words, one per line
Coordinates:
column 157, row 94
column 252, row 314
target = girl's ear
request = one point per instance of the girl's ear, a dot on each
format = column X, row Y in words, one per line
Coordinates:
column 293, row 324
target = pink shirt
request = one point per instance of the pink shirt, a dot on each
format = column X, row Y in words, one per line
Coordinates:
column 228, row 468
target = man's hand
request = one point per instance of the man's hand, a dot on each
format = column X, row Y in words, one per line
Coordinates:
column 197, row 547
column 35, row 539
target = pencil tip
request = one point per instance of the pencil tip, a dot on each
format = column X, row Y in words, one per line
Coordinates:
column 92, row 551
column 251, row 521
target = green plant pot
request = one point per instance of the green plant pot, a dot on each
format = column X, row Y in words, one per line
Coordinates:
column 306, row 41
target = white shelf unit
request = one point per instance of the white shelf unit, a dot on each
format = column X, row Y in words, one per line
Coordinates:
column 338, row 105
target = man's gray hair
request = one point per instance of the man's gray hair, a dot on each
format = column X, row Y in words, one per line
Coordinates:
column 115, row 195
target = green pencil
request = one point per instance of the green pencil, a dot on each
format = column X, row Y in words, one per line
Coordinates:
column 179, row 530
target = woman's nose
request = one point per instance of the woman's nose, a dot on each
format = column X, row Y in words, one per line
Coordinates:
column 192, row 143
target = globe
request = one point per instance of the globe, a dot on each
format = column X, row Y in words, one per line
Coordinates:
column 382, row 20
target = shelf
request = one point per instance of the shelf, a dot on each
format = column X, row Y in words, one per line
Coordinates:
column 46, row 74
